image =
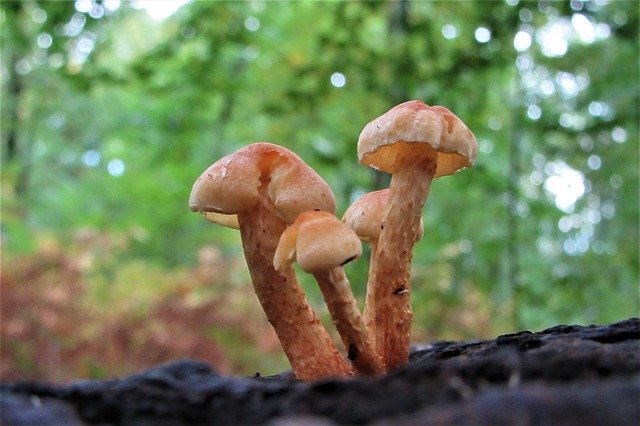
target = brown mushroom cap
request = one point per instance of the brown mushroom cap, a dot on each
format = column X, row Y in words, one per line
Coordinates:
column 232, row 185
column 365, row 216
column 317, row 241
column 414, row 122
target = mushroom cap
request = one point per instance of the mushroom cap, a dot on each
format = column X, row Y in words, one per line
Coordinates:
column 234, row 184
column 318, row 241
column 415, row 122
column 366, row 215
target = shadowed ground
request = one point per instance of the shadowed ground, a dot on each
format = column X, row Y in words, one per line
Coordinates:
column 567, row 374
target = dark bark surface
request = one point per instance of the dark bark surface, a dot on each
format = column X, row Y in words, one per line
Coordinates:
column 563, row 375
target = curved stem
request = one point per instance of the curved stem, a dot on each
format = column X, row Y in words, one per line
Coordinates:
column 305, row 341
column 370, row 301
column 346, row 316
column 389, row 283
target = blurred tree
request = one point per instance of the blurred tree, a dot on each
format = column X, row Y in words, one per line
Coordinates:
column 112, row 115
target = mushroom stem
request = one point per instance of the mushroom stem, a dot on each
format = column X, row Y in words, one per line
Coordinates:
column 305, row 341
column 357, row 339
column 370, row 301
column 391, row 315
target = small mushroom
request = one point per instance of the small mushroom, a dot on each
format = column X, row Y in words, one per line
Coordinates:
column 415, row 143
column 322, row 244
column 259, row 189
column 365, row 218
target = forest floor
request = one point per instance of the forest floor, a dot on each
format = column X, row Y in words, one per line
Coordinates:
column 568, row 374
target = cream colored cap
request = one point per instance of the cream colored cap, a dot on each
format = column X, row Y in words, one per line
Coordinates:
column 416, row 122
column 365, row 216
column 233, row 184
column 318, row 241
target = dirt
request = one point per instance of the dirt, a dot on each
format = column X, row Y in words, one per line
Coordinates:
column 568, row 374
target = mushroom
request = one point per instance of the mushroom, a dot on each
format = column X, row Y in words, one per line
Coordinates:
column 364, row 216
column 260, row 188
column 415, row 143
column 322, row 244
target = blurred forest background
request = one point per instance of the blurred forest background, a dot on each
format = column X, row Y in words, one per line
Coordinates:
column 110, row 110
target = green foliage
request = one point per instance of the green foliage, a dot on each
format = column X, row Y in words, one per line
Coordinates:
column 108, row 120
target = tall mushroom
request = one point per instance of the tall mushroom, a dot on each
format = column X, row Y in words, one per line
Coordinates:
column 322, row 244
column 260, row 188
column 365, row 216
column 415, row 143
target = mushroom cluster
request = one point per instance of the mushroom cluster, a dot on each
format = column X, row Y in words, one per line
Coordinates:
column 286, row 212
